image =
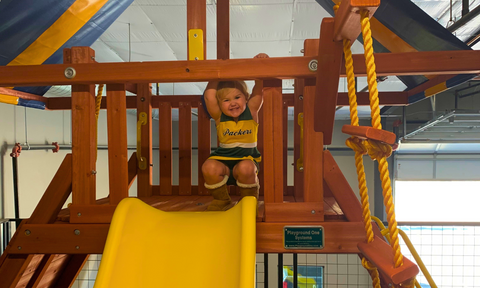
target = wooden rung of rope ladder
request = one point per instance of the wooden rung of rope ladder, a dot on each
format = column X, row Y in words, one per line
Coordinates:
column 381, row 255
column 366, row 132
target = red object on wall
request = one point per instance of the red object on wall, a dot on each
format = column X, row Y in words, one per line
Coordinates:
column 16, row 150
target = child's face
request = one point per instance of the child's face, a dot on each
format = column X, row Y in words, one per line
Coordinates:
column 233, row 104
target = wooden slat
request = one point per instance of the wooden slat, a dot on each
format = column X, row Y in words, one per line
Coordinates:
column 144, row 104
column 385, row 98
column 117, row 142
column 204, row 145
column 40, row 271
column 165, row 143
column 285, row 146
column 278, row 140
column 347, row 18
column 223, row 29
column 54, row 271
column 328, row 74
column 185, row 148
column 366, row 132
column 83, row 134
column 298, row 108
column 312, row 149
column 341, row 190
column 268, row 157
column 294, row 212
column 260, row 142
column 70, row 272
column 197, row 19
column 132, row 169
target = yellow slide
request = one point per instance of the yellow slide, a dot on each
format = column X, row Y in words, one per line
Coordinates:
column 147, row 247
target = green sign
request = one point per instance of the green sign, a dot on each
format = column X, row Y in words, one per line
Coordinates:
column 303, row 237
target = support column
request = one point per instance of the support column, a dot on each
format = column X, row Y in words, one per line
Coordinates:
column 144, row 104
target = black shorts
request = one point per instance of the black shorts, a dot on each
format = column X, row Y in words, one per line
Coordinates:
column 230, row 164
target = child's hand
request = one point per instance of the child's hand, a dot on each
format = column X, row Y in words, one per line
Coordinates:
column 261, row 55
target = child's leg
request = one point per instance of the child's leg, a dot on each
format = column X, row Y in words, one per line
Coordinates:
column 246, row 174
column 216, row 175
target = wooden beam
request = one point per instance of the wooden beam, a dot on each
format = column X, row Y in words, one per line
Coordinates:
column 23, row 95
column 144, row 104
column 428, row 84
column 297, row 141
column 91, row 213
column 223, row 29
column 70, row 272
column 185, row 148
column 165, row 144
column 40, row 271
column 132, row 169
column 294, row 212
column 117, row 142
column 197, row 19
column 347, row 18
column 313, row 141
column 385, row 98
column 83, row 133
column 340, row 237
column 204, row 145
column 272, row 137
column 330, row 55
column 55, row 196
column 341, row 190
column 399, row 64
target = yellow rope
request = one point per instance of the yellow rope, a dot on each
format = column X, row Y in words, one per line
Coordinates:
column 98, row 104
column 358, row 146
column 379, row 150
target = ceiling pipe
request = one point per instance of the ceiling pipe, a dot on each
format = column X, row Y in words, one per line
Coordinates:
column 465, row 19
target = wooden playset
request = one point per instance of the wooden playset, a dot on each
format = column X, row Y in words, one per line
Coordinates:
column 50, row 248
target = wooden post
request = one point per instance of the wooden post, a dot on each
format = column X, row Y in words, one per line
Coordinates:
column 328, row 74
column 185, row 148
column 204, row 145
column 260, row 149
column 165, row 143
column 197, row 19
column 297, row 109
column 83, row 132
column 144, row 104
column 285, row 145
column 312, row 143
column 273, row 141
column 223, row 29
column 117, row 142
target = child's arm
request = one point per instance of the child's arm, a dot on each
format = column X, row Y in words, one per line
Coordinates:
column 211, row 100
column 256, row 100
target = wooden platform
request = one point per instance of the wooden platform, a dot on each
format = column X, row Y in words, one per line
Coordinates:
column 200, row 203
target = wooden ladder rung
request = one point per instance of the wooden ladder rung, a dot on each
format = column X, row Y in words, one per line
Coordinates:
column 366, row 132
column 380, row 254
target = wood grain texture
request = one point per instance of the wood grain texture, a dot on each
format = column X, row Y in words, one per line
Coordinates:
column 185, row 148
column 347, row 18
column 132, row 169
column 223, row 29
column 366, row 132
column 341, row 190
column 204, row 145
column 297, row 109
column 83, row 134
column 117, row 142
column 294, row 212
column 144, row 104
column 165, row 143
column 197, row 19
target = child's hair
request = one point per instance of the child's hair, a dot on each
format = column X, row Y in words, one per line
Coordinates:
column 226, row 87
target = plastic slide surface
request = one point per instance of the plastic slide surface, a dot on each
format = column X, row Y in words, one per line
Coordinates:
column 147, row 247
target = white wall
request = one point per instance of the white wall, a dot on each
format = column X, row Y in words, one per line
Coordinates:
column 36, row 168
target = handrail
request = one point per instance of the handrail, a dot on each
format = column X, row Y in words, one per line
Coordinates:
column 142, row 120
column 412, row 249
